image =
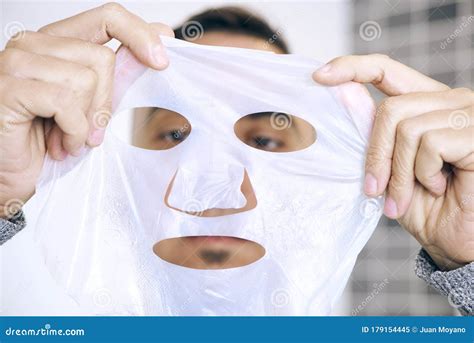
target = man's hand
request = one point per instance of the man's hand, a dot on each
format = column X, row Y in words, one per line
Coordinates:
column 421, row 153
column 56, row 89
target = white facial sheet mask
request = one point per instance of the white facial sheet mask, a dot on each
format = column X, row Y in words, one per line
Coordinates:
column 102, row 212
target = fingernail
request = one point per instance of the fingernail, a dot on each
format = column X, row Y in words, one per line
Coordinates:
column 390, row 208
column 159, row 56
column 96, row 137
column 370, row 184
column 324, row 69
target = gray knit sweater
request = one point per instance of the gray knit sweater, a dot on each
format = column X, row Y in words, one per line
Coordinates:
column 457, row 285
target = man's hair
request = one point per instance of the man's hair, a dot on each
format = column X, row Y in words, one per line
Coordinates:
column 232, row 20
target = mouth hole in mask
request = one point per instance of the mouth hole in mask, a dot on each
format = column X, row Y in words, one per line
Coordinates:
column 275, row 131
column 209, row 252
column 151, row 128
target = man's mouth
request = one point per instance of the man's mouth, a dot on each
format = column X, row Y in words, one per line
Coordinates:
column 213, row 257
column 209, row 252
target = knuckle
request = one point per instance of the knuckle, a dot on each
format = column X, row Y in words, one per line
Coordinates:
column 375, row 157
column 8, row 87
column 389, row 105
column 8, row 57
column 61, row 98
column 431, row 181
column 85, row 81
column 428, row 141
column 47, row 29
column 397, row 183
column 406, row 130
column 112, row 8
column 12, row 59
column 463, row 92
column 401, row 170
column 19, row 37
column 106, row 57
column 65, row 102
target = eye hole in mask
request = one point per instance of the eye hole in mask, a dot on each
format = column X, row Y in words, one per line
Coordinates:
column 158, row 128
column 275, row 131
column 209, row 252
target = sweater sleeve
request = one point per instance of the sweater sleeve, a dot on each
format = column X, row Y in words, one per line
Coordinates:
column 457, row 284
column 10, row 227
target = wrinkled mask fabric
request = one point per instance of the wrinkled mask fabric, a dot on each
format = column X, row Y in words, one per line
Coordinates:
column 101, row 214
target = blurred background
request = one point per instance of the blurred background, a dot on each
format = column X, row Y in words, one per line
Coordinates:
column 436, row 38
column 433, row 36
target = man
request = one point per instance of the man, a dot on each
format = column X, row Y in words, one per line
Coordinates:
column 55, row 80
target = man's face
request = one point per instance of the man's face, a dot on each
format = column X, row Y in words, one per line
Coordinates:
column 161, row 129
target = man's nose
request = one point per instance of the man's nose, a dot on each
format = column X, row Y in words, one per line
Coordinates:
column 211, row 193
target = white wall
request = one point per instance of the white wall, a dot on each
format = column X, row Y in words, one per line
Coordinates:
column 318, row 28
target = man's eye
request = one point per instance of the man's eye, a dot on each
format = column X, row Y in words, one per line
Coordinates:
column 265, row 143
column 174, row 136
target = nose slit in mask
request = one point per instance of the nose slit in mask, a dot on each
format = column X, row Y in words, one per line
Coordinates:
column 211, row 193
